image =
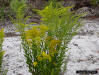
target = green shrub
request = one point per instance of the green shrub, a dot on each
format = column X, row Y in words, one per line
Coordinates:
column 45, row 54
column 45, row 45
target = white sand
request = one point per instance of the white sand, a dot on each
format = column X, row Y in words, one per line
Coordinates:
column 14, row 60
column 84, row 52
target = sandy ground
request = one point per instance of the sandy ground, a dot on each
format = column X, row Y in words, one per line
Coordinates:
column 14, row 60
column 84, row 52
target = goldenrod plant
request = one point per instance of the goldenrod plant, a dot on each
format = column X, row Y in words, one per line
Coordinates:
column 44, row 53
column 45, row 45
column 1, row 52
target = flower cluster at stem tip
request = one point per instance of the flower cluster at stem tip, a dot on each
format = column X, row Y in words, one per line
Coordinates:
column 36, row 33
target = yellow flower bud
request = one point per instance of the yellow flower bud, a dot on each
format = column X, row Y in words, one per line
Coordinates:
column 39, row 58
column 53, row 43
column 35, row 64
column 46, row 56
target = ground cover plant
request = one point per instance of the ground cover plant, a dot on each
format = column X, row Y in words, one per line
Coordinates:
column 45, row 45
column 1, row 52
